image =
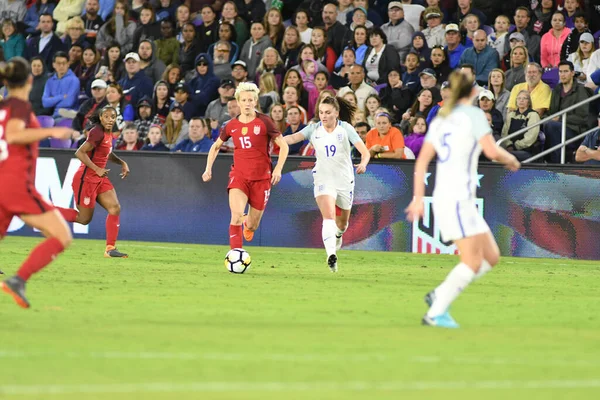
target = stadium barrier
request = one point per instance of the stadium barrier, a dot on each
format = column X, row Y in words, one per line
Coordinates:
column 540, row 211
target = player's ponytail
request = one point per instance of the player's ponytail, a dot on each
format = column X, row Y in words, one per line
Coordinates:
column 15, row 72
column 461, row 87
column 345, row 109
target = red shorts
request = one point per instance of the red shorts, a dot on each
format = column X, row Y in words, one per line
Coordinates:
column 85, row 192
column 20, row 201
column 258, row 192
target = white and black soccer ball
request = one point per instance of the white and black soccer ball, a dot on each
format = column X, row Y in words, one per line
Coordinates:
column 237, row 261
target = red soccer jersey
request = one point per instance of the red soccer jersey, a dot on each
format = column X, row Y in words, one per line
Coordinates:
column 102, row 142
column 251, row 141
column 17, row 161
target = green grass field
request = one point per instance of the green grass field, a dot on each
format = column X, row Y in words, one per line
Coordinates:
column 171, row 323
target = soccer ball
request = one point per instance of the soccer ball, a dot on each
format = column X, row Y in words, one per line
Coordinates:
column 237, row 261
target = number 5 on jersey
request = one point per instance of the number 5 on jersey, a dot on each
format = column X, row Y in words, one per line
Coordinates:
column 245, row 142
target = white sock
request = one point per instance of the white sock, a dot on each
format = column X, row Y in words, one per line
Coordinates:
column 457, row 280
column 328, row 234
column 483, row 269
column 340, row 232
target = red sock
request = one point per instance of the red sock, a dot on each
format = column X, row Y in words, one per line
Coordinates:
column 69, row 214
column 42, row 255
column 235, row 237
column 112, row 229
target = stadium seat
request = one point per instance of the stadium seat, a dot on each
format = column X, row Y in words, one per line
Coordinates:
column 380, row 87
column 45, row 121
column 60, row 143
column 65, row 123
column 488, row 29
column 550, row 77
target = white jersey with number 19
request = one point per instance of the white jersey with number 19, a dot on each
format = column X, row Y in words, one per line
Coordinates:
column 456, row 142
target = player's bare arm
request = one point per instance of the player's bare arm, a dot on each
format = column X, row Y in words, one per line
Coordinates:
column 415, row 209
column 283, row 153
column 17, row 133
column 498, row 154
column 82, row 155
column 365, row 157
column 124, row 167
column 294, row 138
column 210, row 160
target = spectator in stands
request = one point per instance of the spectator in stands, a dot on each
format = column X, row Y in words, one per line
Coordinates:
column 116, row 99
column 75, row 33
column 324, row 53
column 32, row 18
column 65, row 10
column 161, row 100
column 86, row 69
column 220, row 55
column 359, row 18
column 268, row 94
column 410, row 76
column 395, row 96
column 420, row 48
column 183, row 93
column 379, row 57
column 92, row 20
column 543, row 14
column 539, row 91
column 239, row 72
column 294, row 120
column 581, row 57
column 468, row 27
column 176, row 127
column 118, row 28
column 526, row 144
column 251, row 10
column 483, row 57
column 385, row 140
column 272, row 63
column 38, row 70
column 62, row 88
column 454, row 49
column 522, row 18
column 465, row 7
column 75, row 54
column 487, row 102
column 253, row 49
column 515, row 39
column 429, row 81
column 373, row 14
column 308, row 52
column 290, row 98
column 145, row 116
column 149, row 63
column 519, row 58
column 344, row 11
column 293, row 78
column 208, row 32
column 414, row 140
column 155, row 140
column 499, row 37
column 439, row 63
column 359, row 44
column 47, row 43
column 372, row 104
column 230, row 14
column 445, row 93
column 167, row 47
column 217, row 109
column 189, row 48
column 12, row 42
column 130, row 139
column 136, row 84
column 336, row 32
column 496, row 85
column 420, row 107
column 358, row 86
column 567, row 93
column 302, row 21
column 197, row 141
column 204, row 85
column 362, row 128
column 290, row 47
column 571, row 43
column 88, row 107
column 552, row 41
column 136, row 7
column 148, row 28
column 570, row 10
column 111, row 67
column 172, row 76
column 588, row 152
column 182, row 17
column 166, row 10
column 277, row 114
column 435, row 33
column 273, row 23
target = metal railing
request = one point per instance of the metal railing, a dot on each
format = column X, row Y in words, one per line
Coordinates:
column 564, row 142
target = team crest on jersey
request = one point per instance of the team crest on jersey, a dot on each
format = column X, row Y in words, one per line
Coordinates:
column 86, row 201
column 245, row 130
column 340, row 137
column 426, row 236
column 257, row 129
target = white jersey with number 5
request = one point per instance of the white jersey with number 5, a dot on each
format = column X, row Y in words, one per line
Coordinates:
column 456, row 142
column 333, row 151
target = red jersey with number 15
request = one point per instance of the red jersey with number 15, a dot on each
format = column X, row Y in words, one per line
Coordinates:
column 17, row 161
column 102, row 142
column 251, row 157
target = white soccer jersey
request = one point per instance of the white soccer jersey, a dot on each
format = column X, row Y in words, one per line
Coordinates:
column 333, row 152
column 456, row 141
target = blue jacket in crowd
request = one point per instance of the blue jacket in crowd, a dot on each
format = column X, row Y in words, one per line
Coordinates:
column 137, row 87
column 61, row 93
column 204, row 87
column 187, row 146
column 159, row 147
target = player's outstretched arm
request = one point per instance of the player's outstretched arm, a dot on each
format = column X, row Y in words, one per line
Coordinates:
column 414, row 211
column 17, row 133
column 124, row 167
column 294, row 138
column 210, row 160
column 365, row 156
column 498, row 154
column 283, row 153
column 82, row 155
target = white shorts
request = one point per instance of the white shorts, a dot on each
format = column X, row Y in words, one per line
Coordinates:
column 458, row 220
column 343, row 197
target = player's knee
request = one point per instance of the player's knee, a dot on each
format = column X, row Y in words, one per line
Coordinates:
column 115, row 209
column 342, row 225
column 237, row 218
column 83, row 219
column 65, row 237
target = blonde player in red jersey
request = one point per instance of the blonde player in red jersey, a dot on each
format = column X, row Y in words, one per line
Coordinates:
column 19, row 136
column 252, row 173
column 91, row 183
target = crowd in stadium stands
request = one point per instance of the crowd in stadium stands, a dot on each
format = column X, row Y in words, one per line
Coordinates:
column 170, row 67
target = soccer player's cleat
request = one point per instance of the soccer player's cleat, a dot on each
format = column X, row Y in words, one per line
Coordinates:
column 429, row 298
column 441, row 321
column 338, row 242
column 112, row 252
column 248, row 234
column 15, row 286
column 1, row 273
column 332, row 262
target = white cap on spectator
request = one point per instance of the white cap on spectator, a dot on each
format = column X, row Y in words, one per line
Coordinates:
column 517, row 36
column 395, row 4
column 586, row 37
column 132, row 55
column 99, row 83
column 487, row 94
column 452, row 28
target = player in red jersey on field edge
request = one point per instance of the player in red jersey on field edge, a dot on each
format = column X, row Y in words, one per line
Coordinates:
column 91, row 183
column 20, row 133
column 252, row 172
